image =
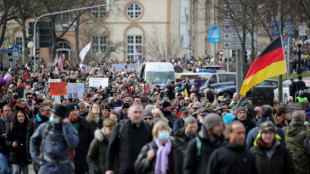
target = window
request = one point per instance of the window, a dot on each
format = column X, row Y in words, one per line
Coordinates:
column 99, row 12
column 99, row 43
column 63, row 18
column 227, row 78
column 134, row 11
column 134, row 48
column 19, row 42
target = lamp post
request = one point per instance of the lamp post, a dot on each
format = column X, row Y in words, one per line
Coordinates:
column 56, row 13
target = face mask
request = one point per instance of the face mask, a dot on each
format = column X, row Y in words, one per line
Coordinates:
column 163, row 135
column 54, row 120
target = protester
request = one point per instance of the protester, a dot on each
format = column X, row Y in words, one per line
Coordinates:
column 85, row 137
column 242, row 116
column 51, row 143
column 127, row 140
column 98, row 147
column 233, row 158
column 16, row 140
column 161, row 155
column 200, row 148
column 148, row 117
column 295, row 134
column 272, row 157
column 179, row 123
column 95, row 116
column 4, row 150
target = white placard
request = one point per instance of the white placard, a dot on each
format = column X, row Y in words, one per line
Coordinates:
column 54, row 80
column 96, row 82
column 75, row 90
column 57, row 99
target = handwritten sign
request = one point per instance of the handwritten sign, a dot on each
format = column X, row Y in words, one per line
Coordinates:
column 260, row 98
column 292, row 107
column 57, row 99
column 54, row 80
column 96, row 82
column 75, row 90
column 58, row 88
column 119, row 66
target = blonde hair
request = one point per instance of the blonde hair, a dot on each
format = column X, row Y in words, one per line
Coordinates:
column 157, row 126
column 90, row 115
column 161, row 115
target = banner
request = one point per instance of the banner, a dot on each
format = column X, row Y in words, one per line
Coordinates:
column 75, row 90
column 96, row 82
column 58, row 88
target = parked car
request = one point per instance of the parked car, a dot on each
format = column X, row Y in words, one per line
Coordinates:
column 267, row 85
column 286, row 90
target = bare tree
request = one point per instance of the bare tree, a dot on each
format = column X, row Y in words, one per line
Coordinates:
column 6, row 14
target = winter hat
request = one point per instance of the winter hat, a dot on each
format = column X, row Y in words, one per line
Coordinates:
column 212, row 120
column 240, row 109
column 147, row 112
column 106, row 107
column 180, row 98
column 72, row 106
column 184, row 109
column 166, row 104
column 228, row 118
column 126, row 106
column 60, row 110
column 267, row 125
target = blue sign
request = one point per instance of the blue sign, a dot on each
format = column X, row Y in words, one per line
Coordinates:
column 276, row 27
column 214, row 34
column 15, row 48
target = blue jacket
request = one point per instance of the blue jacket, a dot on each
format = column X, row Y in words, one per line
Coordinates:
column 253, row 132
column 59, row 139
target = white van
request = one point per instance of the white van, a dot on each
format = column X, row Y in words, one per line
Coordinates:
column 158, row 73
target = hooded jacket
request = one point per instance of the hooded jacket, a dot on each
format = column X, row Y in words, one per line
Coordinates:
column 295, row 134
column 279, row 163
column 253, row 132
column 97, row 152
column 197, row 165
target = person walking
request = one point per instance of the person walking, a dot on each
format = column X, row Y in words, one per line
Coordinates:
column 128, row 137
column 51, row 143
column 295, row 134
column 272, row 157
column 200, row 148
column 161, row 155
column 233, row 157
column 16, row 140
column 98, row 147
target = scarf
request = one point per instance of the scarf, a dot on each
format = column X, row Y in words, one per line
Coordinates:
column 163, row 151
column 75, row 123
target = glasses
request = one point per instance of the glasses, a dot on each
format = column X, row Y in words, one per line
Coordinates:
column 195, row 108
column 29, row 97
column 47, row 110
column 148, row 118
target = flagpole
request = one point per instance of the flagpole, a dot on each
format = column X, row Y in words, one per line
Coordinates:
column 283, row 51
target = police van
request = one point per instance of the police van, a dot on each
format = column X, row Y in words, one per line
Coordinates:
column 158, row 73
column 203, row 79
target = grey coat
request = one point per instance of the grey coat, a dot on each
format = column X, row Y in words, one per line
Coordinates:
column 58, row 142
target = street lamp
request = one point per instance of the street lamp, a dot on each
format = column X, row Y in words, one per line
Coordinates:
column 56, row 13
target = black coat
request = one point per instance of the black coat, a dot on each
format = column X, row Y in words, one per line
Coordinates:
column 280, row 162
column 85, row 136
column 33, row 124
column 175, row 159
column 292, row 88
column 18, row 155
column 232, row 159
column 300, row 85
column 248, row 124
column 195, row 164
column 3, row 148
column 126, row 141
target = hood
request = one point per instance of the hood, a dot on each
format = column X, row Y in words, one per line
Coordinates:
column 180, row 132
column 263, row 119
column 204, row 136
column 99, row 135
column 294, row 128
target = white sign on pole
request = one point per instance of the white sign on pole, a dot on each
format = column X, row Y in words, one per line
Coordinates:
column 96, row 82
column 75, row 90
column 54, row 80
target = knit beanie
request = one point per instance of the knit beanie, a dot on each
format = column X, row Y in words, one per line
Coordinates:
column 166, row 104
column 147, row 112
column 267, row 126
column 60, row 110
column 126, row 106
column 240, row 109
column 228, row 118
column 211, row 120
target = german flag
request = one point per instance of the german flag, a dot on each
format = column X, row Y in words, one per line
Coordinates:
column 269, row 63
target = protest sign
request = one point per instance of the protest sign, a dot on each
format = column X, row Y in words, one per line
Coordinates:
column 96, row 82
column 58, row 88
column 292, row 107
column 57, row 99
column 75, row 90
column 54, row 80
column 260, row 98
column 119, row 66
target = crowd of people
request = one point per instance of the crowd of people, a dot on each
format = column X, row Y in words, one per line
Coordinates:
column 135, row 127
